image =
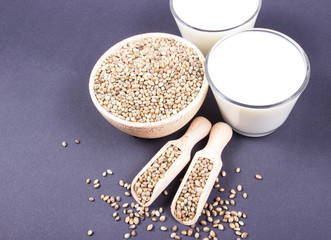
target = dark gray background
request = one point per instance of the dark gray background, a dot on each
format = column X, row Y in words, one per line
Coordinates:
column 47, row 50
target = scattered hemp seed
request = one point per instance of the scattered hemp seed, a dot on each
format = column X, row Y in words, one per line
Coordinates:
column 244, row 235
column 245, row 195
column 174, row 228
column 165, row 193
column 212, row 233
column 96, row 185
column 104, row 174
column 239, row 188
column 223, row 173
column 89, row 232
column 149, row 227
column 206, row 229
column 95, row 181
column 258, row 176
column 172, row 235
column 87, row 181
column 77, row 141
column 220, row 227
column 203, row 223
column 91, row 199
column 127, row 235
column 238, row 170
column 149, row 79
column 121, row 183
column 64, row 144
column 109, row 171
column 163, row 228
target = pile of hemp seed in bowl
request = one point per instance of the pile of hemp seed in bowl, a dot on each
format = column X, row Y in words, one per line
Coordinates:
column 148, row 79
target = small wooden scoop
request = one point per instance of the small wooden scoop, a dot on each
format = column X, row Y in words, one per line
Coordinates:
column 198, row 129
column 220, row 135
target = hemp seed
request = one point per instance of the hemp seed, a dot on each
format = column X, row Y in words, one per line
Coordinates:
column 163, row 228
column 149, row 227
column 258, row 177
column 239, row 188
column 64, row 144
column 89, row 232
column 148, row 80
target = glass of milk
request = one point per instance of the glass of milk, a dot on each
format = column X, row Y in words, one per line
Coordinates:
column 204, row 22
column 256, row 76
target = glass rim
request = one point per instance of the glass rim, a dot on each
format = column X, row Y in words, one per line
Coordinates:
column 286, row 100
column 221, row 30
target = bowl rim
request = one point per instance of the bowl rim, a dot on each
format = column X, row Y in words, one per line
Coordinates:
column 200, row 96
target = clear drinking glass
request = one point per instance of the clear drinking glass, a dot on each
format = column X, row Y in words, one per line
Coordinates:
column 196, row 26
column 225, row 71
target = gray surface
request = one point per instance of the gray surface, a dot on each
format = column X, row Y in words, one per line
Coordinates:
column 47, row 50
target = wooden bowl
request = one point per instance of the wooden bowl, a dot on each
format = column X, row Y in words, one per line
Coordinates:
column 154, row 129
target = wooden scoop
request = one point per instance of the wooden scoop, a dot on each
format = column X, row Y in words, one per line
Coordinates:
column 220, row 135
column 198, row 129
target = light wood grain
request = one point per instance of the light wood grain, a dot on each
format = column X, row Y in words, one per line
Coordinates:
column 220, row 135
column 198, row 129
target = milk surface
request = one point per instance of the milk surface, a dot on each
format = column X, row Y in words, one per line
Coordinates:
column 215, row 14
column 257, row 68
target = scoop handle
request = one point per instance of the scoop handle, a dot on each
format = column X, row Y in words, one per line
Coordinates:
column 219, row 136
column 198, row 129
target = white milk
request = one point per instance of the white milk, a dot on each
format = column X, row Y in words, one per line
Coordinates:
column 204, row 22
column 257, row 76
